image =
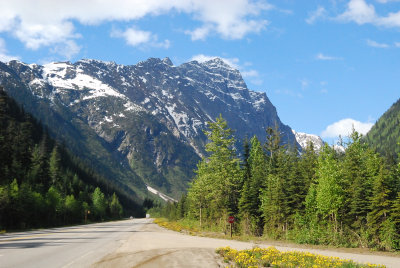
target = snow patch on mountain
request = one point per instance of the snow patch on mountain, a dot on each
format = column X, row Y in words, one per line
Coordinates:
column 164, row 197
column 184, row 98
column 304, row 139
column 63, row 75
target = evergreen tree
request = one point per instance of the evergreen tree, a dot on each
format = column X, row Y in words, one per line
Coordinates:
column 218, row 177
column 273, row 198
column 360, row 165
column 250, row 202
column 115, row 207
column 55, row 205
column 54, row 167
column 380, row 205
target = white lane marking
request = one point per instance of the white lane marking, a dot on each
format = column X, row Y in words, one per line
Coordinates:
column 84, row 255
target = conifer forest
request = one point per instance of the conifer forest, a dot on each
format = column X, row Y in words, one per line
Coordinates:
column 42, row 184
column 349, row 198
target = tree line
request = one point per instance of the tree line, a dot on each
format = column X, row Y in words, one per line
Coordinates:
column 42, row 184
column 349, row 198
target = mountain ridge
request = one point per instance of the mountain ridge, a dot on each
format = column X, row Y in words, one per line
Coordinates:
column 150, row 116
column 384, row 134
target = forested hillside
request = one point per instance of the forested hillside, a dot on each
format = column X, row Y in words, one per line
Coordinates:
column 343, row 199
column 42, row 184
column 385, row 134
column 139, row 124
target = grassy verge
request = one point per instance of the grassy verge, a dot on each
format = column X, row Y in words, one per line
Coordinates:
column 271, row 257
column 191, row 227
column 181, row 226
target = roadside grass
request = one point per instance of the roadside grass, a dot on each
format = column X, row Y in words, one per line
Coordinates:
column 181, row 226
column 271, row 257
column 191, row 227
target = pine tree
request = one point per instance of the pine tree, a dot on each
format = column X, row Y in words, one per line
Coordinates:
column 380, row 205
column 273, row 198
column 115, row 207
column 218, row 176
column 54, row 166
column 250, row 202
column 360, row 165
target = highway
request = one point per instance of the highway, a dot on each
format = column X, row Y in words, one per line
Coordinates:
column 135, row 243
column 78, row 246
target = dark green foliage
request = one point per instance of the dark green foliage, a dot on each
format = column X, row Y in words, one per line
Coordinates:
column 250, row 202
column 384, row 135
column 342, row 199
column 216, row 188
column 42, row 184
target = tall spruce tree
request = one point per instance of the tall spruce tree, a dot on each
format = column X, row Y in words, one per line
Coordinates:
column 219, row 173
column 360, row 166
column 273, row 199
column 380, row 205
column 250, row 202
column 54, row 166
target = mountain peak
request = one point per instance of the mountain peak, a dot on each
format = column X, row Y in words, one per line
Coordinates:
column 151, row 114
column 304, row 139
column 218, row 63
column 167, row 61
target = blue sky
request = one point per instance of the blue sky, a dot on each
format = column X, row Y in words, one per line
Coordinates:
column 325, row 65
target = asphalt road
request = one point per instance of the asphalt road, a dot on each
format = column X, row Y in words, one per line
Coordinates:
column 132, row 243
column 78, row 246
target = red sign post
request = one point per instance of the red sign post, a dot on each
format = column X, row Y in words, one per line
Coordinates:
column 231, row 220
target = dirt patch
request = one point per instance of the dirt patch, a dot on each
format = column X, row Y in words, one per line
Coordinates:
column 153, row 246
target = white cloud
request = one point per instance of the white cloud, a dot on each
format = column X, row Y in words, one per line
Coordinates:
column 231, row 19
column 4, row 54
column 133, row 36
column 373, row 43
column 320, row 12
column 68, row 49
column 138, row 38
column 344, row 128
column 361, row 13
column 321, row 56
column 47, row 23
column 397, row 44
column 200, row 33
column 250, row 73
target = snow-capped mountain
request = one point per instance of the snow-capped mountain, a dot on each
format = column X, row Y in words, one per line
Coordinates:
column 148, row 117
column 303, row 139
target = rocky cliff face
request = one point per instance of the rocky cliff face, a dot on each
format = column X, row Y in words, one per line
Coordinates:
column 147, row 117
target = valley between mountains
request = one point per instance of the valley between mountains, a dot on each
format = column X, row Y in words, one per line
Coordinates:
column 140, row 124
